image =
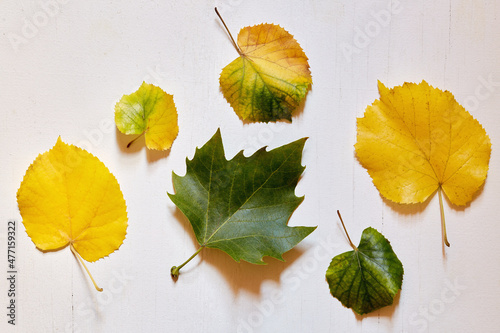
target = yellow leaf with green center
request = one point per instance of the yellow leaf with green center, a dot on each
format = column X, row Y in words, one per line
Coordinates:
column 270, row 78
column 69, row 197
column 149, row 111
column 417, row 139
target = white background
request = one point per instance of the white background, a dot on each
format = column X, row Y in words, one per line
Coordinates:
column 64, row 75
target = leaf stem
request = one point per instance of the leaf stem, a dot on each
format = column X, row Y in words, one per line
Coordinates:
column 83, row 264
column 349, row 238
column 175, row 269
column 229, row 32
column 443, row 223
column 131, row 142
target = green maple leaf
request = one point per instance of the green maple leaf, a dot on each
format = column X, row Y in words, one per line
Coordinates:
column 367, row 278
column 242, row 206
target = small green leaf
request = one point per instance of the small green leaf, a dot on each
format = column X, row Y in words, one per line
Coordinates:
column 242, row 206
column 367, row 278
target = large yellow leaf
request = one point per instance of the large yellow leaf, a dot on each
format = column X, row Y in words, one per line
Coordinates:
column 270, row 78
column 69, row 197
column 417, row 139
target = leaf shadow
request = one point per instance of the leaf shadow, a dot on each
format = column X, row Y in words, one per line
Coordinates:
column 387, row 311
column 249, row 277
column 408, row 209
column 124, row 139
column 300, row 108
column 52, row 250
column 243, row 275
column 460, row 209
column 179, row 216
column 474, row 197
column 93, row 294
column 155, row 155
column 151, row 154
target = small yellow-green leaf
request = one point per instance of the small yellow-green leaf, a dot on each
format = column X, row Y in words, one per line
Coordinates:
column 149, row 111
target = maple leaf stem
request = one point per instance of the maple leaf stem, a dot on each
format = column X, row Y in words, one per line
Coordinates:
column 443, row 223
column 134, row 140
column 349, row 238
column 175, row 269
column 83, row 264
column 229, row 32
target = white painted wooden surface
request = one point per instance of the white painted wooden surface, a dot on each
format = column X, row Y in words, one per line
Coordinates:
column 64, row 76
